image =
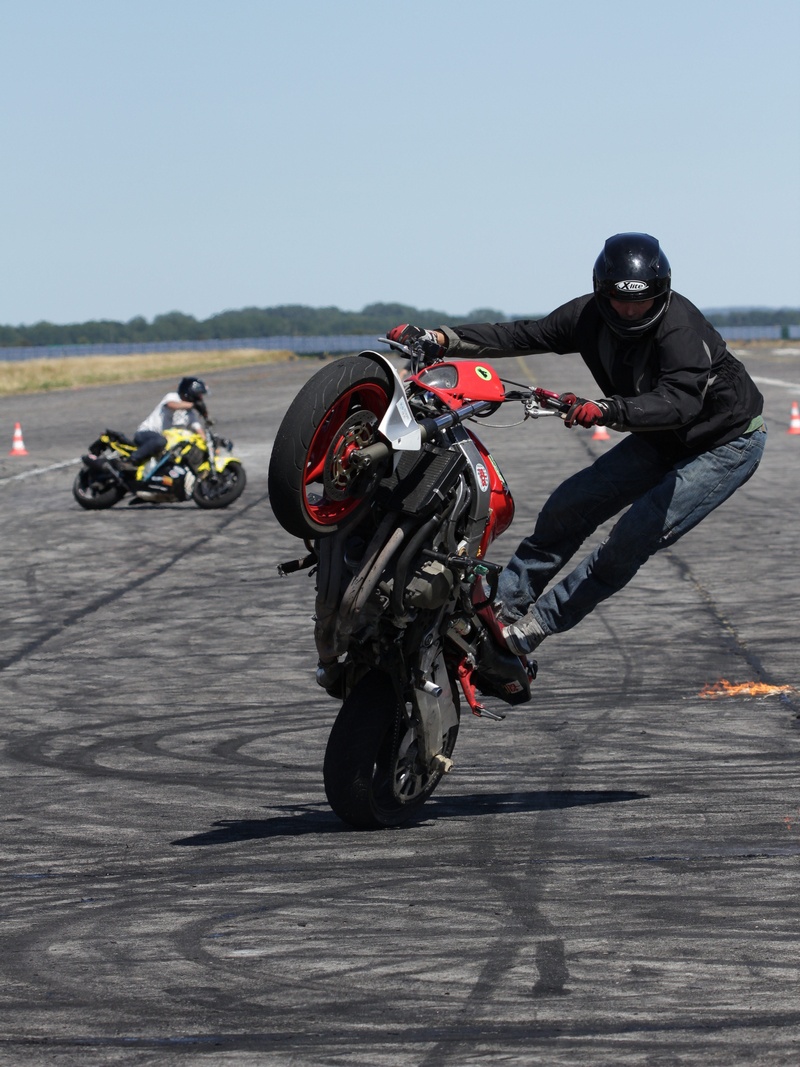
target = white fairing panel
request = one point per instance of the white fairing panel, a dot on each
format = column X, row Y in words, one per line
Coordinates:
column 398, row 425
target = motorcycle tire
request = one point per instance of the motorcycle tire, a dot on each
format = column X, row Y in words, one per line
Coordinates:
column 312, row 490
column 95, row 493
column 371, row 780
column 220, row 491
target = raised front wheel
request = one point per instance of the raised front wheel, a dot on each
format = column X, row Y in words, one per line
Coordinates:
column 313, row 486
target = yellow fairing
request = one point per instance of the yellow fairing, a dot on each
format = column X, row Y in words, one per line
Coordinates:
column 192, row 439
column 174, row 437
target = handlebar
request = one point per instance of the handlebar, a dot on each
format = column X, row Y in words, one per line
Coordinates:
column 551, row 401
column 371, row 454
column 538, row 402
column 543, row 398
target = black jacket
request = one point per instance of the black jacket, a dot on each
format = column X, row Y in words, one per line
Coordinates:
column 678, row 382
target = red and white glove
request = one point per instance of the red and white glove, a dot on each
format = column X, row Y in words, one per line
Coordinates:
column 416, row 337
column 405, row 334
column 585, row 412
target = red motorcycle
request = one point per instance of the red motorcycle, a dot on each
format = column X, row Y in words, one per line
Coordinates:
column 397, row 502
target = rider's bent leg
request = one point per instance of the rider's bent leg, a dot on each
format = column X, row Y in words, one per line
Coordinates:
column 571, row 514
column 149, row 443
column 689, row 492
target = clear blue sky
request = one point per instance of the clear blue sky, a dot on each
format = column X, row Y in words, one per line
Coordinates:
column 204, row 155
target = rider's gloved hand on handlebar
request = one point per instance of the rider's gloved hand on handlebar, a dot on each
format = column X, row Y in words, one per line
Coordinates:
column 586, row 412
column 406, row 334
column 416, row 337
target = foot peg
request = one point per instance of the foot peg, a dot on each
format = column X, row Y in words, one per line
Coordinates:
column 465, row 673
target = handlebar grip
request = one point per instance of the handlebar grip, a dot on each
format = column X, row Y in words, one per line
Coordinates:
column 551, row 400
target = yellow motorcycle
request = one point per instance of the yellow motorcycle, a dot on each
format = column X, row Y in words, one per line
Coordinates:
column 190, row 467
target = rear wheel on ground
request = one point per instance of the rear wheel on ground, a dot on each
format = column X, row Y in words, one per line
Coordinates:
column 94, row 492
column 372, row 771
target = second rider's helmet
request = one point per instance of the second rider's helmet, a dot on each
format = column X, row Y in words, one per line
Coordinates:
column 192, row 390
column 632, row 267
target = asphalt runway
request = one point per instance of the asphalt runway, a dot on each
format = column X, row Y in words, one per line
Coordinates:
column 608, row 877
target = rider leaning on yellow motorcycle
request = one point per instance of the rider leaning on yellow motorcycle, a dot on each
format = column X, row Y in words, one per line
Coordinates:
column 179, row 410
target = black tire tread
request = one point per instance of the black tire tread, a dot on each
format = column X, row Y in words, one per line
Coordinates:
column 225, row 499
column 296, row 432
column 97, row 501
column 368, row 714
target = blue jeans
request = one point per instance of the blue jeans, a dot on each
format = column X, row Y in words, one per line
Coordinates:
column 664, row 500
column 149, row 443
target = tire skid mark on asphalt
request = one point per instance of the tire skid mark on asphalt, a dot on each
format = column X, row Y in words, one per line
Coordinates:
column 550, row 948
column 114, row 595
column 81, row 917
column 737, row 642
column 83, row 759
column 101, row 905
column 38, row 470
column 539, row 934
column 519, row 1037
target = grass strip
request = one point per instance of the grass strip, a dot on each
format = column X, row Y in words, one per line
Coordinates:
column 74, row 372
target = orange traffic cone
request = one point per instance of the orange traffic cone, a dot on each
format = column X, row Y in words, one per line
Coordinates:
column 601, row 434
column 794, row 421
column 18, row 447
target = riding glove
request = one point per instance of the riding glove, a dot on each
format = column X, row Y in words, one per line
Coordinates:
column 587, row 412
column 415, row 336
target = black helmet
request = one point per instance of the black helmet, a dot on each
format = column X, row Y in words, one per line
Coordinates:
column 632, row 267
column 192, row 390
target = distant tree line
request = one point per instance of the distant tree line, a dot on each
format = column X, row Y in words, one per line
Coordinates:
column 288, row 319
column 299, row 320
column 754, row 317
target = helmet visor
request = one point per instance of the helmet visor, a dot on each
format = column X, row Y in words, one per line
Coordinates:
column 632, row 326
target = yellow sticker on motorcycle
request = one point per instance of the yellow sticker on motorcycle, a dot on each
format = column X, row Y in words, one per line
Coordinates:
column 484, row 373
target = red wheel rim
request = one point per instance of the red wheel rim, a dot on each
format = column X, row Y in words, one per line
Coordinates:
column 328, row 440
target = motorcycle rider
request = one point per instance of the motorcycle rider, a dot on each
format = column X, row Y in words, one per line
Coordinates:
column 175, row 410
column 690, row 411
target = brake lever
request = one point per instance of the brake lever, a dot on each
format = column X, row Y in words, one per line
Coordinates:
column 534, row 410
column 396, row 345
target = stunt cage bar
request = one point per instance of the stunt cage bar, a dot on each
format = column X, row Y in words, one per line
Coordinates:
column 538, row 403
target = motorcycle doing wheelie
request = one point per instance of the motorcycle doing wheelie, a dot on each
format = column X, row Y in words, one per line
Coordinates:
column 397, row 502
column 192, row 466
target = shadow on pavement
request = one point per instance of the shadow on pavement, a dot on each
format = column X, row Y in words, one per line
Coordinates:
column 322, row 821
